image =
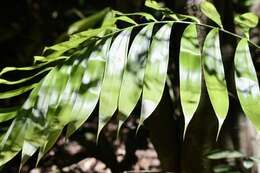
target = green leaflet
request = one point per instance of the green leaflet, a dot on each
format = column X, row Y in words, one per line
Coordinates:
column 155, row 71
column 115, row 16
column 37, row 129
column 213, row 69
column 133, row 76
column 113, row 77
column 42, row 59
column 27, row 151
column 147, row 16
column 92, row 32
column 8, row 113
column 12, row 141
column 190, row 72
column 155, row 5
column 90, row 84
column 34, row 67
column 211, row 12
column 246, row 83
column 7, row 82
column 126, row 19
column 246, row 21
column 52, row 138
column 63, row 99
column 17, row 92
column 88, row 22
column 224, row 154
column 52, row 110
column 181, row 17
column 67, row 45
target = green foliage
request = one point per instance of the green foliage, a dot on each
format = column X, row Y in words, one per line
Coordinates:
column 247, row 83
column 190, row 72
column 211, row 12
column 118, row 67
column 214, row 75
column 246, row 21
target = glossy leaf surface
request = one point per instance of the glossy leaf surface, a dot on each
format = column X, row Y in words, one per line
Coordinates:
column 214, row 75
column 246, row 83
column 155, row 71
column 190, row 72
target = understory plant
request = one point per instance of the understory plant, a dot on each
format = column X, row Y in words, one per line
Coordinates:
column 113, row 67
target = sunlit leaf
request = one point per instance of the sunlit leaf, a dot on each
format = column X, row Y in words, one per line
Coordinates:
column 117, row 58
column 53, row 111
column 64, row 46
column 8, row 82
column 214, row 75
column 27, row 151
column 249, row 20
column 92, row 32
column 246, row 21
column 211, row 12
column 17, row 92
column 247, row 85
column 13, row 139
column 29, row 68
column 155, row 71
column 147, row 16
column 190, row 72
column 180, row 17
column 91, row 84
column 157, row 6
column 8, row 113
column 133, row 76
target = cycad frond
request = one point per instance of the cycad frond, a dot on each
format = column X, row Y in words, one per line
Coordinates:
column 117, row 67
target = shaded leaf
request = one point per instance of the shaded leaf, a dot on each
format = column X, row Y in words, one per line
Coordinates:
column 224, row 154
column 222, row 168
column 88, row 22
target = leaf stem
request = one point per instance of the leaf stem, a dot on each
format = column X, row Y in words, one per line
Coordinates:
column 186, row 22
